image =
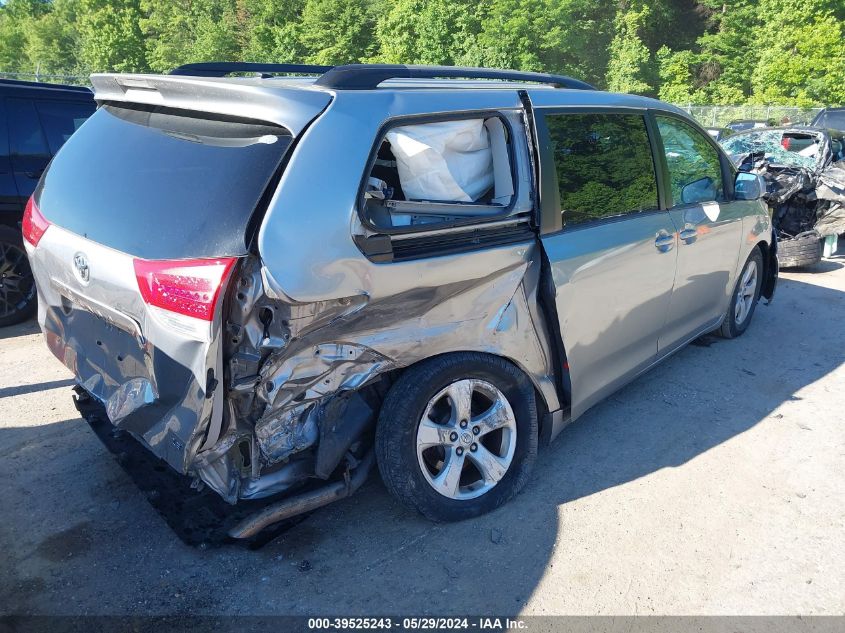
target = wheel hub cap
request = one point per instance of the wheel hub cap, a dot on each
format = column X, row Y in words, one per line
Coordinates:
column 466, row 439
column 746, row 292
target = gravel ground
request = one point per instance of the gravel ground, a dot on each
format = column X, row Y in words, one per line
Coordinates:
column 712, row 485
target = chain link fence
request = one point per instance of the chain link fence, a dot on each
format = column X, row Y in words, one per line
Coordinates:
column 720, row 116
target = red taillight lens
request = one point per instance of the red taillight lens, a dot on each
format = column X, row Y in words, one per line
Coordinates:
column 34, row 224
column 785, row 142
column 187, row 286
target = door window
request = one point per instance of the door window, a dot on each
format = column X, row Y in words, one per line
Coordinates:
column 604, row 165
column 695, row 171
column 25, row 135
column 440, row 172
column 60, row 119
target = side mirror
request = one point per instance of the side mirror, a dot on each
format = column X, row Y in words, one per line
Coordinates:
column 749, row 186
column 701, row 190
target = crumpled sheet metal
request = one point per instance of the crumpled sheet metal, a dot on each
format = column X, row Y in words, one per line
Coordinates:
column 320, row 370
column 216, row 466
column 831, row 185
column 276, row 481
column 129, row 397
column 831, row 221
column 789, row 182
column 295, row 387
column 287, row 432
column 803, row 200
column 830, row 192
column 491, row 314
column 321, row 350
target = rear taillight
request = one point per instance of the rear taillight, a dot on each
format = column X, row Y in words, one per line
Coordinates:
column 785, row 142
column 189, row 286
column 34, row 224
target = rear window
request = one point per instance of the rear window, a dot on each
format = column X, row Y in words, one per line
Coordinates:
column 831, row 118
column 161, row 183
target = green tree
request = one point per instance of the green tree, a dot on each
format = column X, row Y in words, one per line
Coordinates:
column 675, row 72
column 184, row 31
column 337, row 31
column 52, row 39
column 569, row 37
column 110, row 38
column 629, row 65
column 802, row 60
column 508, row 36
column 428, row 31
column 271, row 30
column 15, row 18
column 729, row 50
column 696, row 51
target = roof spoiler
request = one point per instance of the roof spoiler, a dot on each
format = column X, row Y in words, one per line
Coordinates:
column 369, row 76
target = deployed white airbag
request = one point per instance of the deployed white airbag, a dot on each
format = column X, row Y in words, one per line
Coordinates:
column 446, row 161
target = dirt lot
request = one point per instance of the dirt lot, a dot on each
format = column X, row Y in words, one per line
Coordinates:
column 712, row 485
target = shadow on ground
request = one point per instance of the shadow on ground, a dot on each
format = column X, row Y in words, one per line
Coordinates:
column 75, row 524
column 20, row 329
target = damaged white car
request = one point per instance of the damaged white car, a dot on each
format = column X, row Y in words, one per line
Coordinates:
column 804, row 171
column 274, row 283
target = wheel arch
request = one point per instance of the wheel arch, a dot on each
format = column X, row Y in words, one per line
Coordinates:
column 545, row 406
column 397, row 443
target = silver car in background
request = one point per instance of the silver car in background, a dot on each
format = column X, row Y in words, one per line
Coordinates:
column 274, row 283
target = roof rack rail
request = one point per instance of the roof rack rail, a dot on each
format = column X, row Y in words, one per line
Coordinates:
column 221, row 69
column 369, row 76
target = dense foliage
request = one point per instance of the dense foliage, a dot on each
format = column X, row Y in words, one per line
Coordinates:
column 688, row 51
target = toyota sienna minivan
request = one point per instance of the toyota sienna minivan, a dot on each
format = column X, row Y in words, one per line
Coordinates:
column 275, row 282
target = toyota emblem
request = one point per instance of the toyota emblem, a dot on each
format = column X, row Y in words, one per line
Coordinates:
column 80, row 267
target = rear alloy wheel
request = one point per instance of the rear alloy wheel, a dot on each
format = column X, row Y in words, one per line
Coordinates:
column 466, row 439
column 457, row 435
column 745, row 297
column 17, row 288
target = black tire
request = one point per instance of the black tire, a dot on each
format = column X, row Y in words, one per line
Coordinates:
column 801, row 251
column 403, row 410
column 730, row 327
column 18, row 298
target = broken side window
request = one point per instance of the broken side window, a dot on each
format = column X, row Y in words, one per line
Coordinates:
column 440, row 172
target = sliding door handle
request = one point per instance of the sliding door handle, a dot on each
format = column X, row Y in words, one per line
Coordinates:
column 689, row 234
column 664, row 241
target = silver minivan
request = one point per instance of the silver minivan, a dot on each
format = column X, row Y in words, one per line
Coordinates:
column 274, row 282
